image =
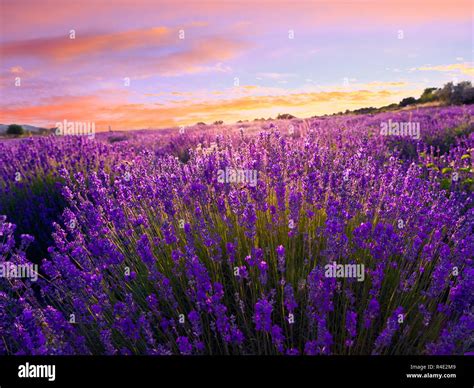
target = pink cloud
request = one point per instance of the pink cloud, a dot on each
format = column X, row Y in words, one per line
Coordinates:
column 65, row 48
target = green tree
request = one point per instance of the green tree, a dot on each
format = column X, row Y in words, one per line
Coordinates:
column 445, row 93
column 15, row 129
column 462, row 93
column 428, row 95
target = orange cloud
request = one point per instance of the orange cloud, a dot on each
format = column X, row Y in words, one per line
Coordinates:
column 16, row 70
column 122, row 115
column 463, row 68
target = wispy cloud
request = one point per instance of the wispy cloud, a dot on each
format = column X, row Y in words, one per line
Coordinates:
column 463, row 68
column 276, row 76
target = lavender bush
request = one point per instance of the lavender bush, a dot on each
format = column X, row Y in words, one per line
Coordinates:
column 225, row 250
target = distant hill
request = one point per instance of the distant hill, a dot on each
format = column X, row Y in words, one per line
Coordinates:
column 28, row 129
column 449, row 94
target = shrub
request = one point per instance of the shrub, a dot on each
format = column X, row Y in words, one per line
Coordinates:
column 407, row 101
column 285, row 116
column 115, row 139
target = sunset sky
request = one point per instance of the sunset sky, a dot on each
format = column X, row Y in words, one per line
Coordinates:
column 237, row 59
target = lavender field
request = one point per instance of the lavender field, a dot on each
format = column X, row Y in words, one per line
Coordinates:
column 316, row 237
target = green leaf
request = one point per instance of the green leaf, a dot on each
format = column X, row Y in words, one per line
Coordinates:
column 446, row 170
column 445, row 184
